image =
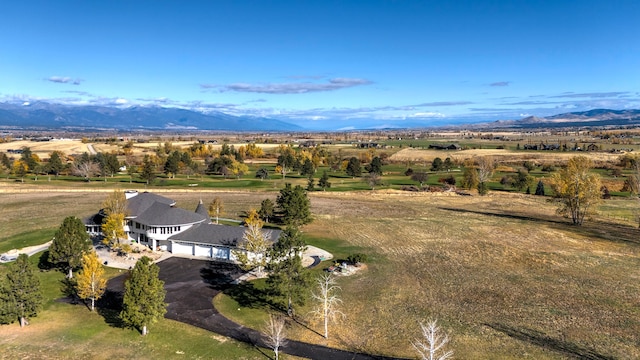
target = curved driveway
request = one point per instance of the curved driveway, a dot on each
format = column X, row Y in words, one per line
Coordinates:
column 191, row 286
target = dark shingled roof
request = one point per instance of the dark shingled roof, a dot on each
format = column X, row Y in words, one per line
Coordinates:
column 158, row 214
column 202, row 210
column 218, row 234
column 141, row 202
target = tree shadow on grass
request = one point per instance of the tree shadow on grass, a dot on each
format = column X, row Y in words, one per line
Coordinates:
column 247, row 295
column 542, row 340
column 109, row 307
column 597, row 229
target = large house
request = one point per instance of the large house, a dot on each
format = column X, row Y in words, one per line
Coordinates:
column 156, row 222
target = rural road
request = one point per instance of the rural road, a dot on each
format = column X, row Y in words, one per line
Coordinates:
column 92, row 151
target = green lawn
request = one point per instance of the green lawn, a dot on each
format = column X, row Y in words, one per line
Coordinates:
column 63, row 331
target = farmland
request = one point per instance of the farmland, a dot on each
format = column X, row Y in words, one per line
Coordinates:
column 504, row 274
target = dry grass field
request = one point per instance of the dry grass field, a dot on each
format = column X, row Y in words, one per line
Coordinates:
column 506, row 277
column 501, row 155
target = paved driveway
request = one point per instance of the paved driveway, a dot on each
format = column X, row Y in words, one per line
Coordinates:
column 191, row 286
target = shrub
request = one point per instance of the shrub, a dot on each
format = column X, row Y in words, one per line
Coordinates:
column 357, row 258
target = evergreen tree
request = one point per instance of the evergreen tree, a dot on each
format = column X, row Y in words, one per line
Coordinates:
column 148, row 172
column 262, row 173
column 310, row 183
column 55, row 164
column 91, row 283
column 307, row 168
column 437, row 164
column 293, row 205
column 324, row 183
column 172, row 165
column 448, row 164
column 29, row 158
column 69, row 243
column 354, row 168
column 288, row 280
column 540, row 188
column 20, row 294
column 375, row 167
column 266, row 210
column 143, row 301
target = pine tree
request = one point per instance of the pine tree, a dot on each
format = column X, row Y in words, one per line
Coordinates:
column 288, row 280
column 91, row 283
column 294, row 204
column 540, row 188
column 20, row 294
column 324, row 183
column 354, row 167
column 148, row 172
column 69, row 243
column 310, row 183
column 375, row 167
column 143, row 302
column 55, row 163
column 266, row 210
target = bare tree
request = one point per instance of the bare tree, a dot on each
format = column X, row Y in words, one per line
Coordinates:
column 432, row 344
column 486, row 165
column 275, row 333
column 328, row 301
column 86, row 169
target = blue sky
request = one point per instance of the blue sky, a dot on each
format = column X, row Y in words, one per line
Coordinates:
column 327, row 62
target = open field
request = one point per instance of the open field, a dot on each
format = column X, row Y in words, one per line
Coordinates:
column 501, row 155
column 506, row 276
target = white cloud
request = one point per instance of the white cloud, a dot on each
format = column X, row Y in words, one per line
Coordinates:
column 290, row 88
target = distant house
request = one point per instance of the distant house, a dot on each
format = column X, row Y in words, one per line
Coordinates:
column 592, row 147
column 368, row 145
column 541, row 146
column 156, row 222
column 444, row 147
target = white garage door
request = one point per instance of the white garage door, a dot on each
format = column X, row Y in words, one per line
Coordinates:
column 178, row 248
column 202, row 250
column 220, row 253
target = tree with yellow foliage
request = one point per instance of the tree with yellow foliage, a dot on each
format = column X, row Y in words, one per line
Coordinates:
column 577, row 189
column 113, row 230
column 252, row 251
column 91, row 283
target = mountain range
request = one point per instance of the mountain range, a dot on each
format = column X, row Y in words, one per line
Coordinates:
column 55, row 116
column 595, row 117
column 49, row 116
